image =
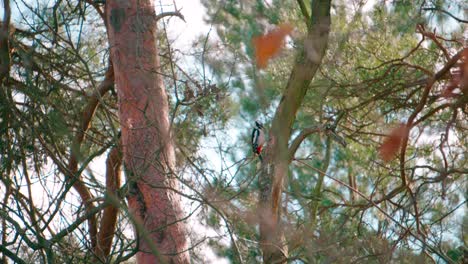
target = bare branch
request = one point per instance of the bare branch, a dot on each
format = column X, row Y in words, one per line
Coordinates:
column 445, row 12
column 374, row 204
column 87, row 115
column 98, row 9
column 5, row 60
column 410, row 123
column 11, row 255
column 433, row 37
column 304, row 11
column 296, row 143
column 172, row 13
column 109, row 217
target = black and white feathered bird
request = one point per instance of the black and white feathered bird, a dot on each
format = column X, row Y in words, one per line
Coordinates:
column 258, row 139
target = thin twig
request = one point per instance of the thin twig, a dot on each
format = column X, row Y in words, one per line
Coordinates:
column 445, row 12
column 431, row 248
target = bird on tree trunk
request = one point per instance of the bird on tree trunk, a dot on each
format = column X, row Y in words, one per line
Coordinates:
column 258, row 139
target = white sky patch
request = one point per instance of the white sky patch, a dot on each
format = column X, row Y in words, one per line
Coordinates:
column 368, row 6
column 184, row 33
column 203, row 251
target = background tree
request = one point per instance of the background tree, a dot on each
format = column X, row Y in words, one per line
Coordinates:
column 59, row 130
column 52, row 128
column 148, row 150
column 382, row 67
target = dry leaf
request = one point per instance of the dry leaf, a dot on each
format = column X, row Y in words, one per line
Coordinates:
column 270, row 44
column 392, row 143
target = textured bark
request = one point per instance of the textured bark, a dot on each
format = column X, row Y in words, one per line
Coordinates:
column 109, row 216
column 148, row 151
column 5, row 59
column 277, row 156
column 72, row 174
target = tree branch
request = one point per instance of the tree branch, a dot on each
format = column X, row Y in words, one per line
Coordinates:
column 173, row 13
column 98, row 9
column 109, row 217
column 11, row 255
column 433, row 37
column 329, row 129
column 445, row 12
column 296, row 143
column 410, row 123
column 305, row 13
column 375, row 205
column 5, row 60
column 87, row 115
column 277, row 155
column 316, row 193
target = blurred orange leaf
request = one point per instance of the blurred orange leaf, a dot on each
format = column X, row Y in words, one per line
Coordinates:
column 270, row 44
column 392, row 143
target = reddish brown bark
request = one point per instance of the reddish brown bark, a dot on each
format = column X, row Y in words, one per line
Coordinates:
column 109, row 216
column 72, row 174
column 148, row 151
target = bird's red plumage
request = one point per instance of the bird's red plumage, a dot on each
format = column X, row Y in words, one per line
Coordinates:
column 259, row 149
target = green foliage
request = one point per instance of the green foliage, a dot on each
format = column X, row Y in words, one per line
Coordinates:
column 58, row 61
column 58, row 125
column 373, row 77
column 374, row 73
column 457, row 254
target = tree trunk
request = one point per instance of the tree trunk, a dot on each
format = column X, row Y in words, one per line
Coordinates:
column 148, row 150
column 5, row 60
column 277, row 154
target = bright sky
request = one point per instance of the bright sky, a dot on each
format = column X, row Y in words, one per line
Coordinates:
column 183, row 34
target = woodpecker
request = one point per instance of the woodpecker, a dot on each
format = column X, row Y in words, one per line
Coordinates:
column 258, row 139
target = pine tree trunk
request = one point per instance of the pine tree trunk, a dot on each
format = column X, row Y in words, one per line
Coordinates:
column 148, row 150
column 277, row 154
column 273, row 242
